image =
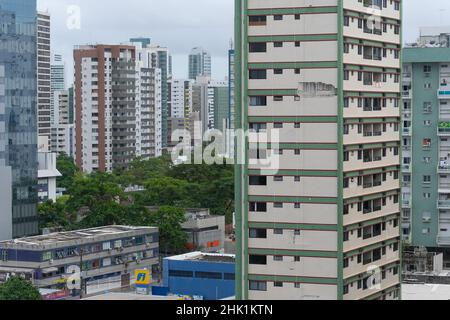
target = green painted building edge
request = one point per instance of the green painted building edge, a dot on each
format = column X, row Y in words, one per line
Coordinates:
column 293, row 226
column 299, row 10
column 370, row 222
column 358, row 14
column 302, row 173
column 426, row 55
column 371, row 120
column 239, row 282
column 370, row 248
column 294, row 65
column 363, row 275
column 284, row 199
column 400, row 155
column 372, row 146
column 353, row 94
column 302, row 146
column 292, row 38
column 293, row 253
column 352, row 67
column 303, row 119
column 340, row 198
column 281, row 278
column 372, row 43
column 358, row 173
column 371, row 197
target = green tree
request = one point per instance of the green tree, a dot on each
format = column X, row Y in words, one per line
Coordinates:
column 17, row 288
column 54, row 214
column 140, row 170
column 172, row 238
column 96, row 199
column 66, row 166
column 168, row 191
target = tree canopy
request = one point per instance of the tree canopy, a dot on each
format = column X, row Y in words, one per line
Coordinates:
column 16, row 288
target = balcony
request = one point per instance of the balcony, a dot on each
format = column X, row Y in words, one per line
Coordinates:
column 406, row 131
column 443, row 240
column 443, row 169
column 444, row 129
column 444, row 93
column 406, row 168
column 406, row 94
column 443, row 204
column 406, row 203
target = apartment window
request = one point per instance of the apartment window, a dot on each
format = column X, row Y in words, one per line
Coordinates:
column 278, row 205
column 257, row 20
column 278, row 125
column 297, row 125
column 426, row 179
column 258, row 207
column 427, row 69
column 258, row 74
column 278, row 231
column 277, row 258
column 278, row 17
column 278, row 98
column 297, row 16
column 297, row 179
column 297, row 70
column 278, row 44
column 257, row 47
column 297, row 43
column 297, row 259
column 297, row 205
column 278, row 284
column 278, row 71
column 258, row 285
column 256, row 233
column 257, row 259
column 278, row 178
column 256, row 101
column 258, row 180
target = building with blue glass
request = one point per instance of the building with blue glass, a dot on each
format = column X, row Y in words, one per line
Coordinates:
column 207, row 275
column 18, row 123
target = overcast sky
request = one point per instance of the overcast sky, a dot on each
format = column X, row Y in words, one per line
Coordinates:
column 183, row 24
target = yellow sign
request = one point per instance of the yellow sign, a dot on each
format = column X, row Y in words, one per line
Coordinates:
column 142, row 277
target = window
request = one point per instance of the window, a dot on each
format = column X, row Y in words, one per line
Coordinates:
column 278, row 284
column 297, row 43
column 297, row 125
column 297, row 16
column 258, row 101
column 278, row 205
column 258, row 285
column 297, row 285
column 277, row 258
column 278, row 98
column 255, row 233
column 258, row 74
column 258, row 207
column 278, row 71
column 297, row 205
column 278, row 125
column 258, row 180
column 278, row 17
column 278, row 44
column 257, row 259
column 257, row 47
column 181, row 273
column 257, row 20
column 208, row 275
column 278, row 231
column 278, row 178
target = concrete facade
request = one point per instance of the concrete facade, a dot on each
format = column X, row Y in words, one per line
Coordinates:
column 312, row 223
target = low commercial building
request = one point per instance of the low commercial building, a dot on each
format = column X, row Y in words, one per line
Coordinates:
column 205, row 232
column 202, row 275
column 100, row 254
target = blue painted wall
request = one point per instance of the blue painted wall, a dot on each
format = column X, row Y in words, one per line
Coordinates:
column 210, row 289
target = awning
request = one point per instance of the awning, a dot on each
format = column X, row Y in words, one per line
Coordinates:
column 49, row 270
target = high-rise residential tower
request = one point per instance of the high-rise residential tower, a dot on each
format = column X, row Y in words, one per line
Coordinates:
column 58, row 80
column 199, row 63
column 44, row 76
column 118, row 106
column 426, row 148
column 318, row 205
column 18, row 120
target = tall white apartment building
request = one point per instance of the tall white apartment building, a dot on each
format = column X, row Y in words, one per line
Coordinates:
column 118, row 106
column 62, row 131
column 43, row 74
column 58, row 80
column 318, row 211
